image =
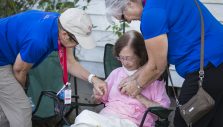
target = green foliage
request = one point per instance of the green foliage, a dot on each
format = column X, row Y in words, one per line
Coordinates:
column 56, row 5
column 10, row 7
column 118, row 28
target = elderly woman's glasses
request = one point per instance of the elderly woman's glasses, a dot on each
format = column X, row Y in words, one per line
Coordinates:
column 126, row 58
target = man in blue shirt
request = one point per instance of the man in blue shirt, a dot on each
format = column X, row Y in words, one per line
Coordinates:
column 172, row 30
column 25, row 40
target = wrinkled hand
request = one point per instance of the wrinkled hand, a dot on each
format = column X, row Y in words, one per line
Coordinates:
column 129, row 87
column 96, row 97
column 100, row 86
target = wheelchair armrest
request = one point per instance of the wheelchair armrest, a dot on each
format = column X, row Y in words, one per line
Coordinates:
column 161, row 112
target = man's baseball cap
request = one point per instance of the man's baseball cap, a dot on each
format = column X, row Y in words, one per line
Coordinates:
column 77, row 22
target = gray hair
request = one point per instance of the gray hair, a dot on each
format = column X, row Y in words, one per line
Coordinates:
column 114, row 8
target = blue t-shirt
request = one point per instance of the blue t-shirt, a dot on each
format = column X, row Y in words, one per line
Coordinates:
column 180, row 20
column 33, row 34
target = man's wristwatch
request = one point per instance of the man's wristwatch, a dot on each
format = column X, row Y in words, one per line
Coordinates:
column 90, row 78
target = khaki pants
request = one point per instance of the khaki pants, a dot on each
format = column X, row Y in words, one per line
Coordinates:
column 16, row 108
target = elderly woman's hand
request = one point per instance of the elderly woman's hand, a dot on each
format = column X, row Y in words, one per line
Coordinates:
column 129, row 87
column 99, row 85
column 96, row 97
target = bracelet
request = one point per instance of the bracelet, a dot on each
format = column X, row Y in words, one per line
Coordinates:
column 90, row 78
column 138, row 85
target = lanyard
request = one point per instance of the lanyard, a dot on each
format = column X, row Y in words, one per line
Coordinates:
column 63, row 61
column 143, row 2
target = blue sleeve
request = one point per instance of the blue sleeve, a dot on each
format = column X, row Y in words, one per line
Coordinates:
column 153, row 22
column 32, row 51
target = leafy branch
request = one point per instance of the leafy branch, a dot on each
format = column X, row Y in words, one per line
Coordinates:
column 10, row 7
column 118, row 28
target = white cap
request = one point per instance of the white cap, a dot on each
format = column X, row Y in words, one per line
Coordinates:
column 77, row 22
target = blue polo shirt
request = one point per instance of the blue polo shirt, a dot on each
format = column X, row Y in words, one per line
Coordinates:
column 33, row 34
column 180, row 20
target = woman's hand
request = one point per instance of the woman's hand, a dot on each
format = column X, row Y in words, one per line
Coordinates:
column 129, row 87
column 100, row 86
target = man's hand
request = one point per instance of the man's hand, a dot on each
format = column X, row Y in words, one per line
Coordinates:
column 100, row 86
column 20, row 70
column 96, row 97
column 129, row 87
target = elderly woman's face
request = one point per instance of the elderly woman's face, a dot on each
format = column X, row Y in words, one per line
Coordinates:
column 128, row 58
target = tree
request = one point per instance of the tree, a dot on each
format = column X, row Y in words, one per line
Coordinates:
column 10, row 7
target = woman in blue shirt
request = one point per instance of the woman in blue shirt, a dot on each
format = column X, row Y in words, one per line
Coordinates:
column 171, row 30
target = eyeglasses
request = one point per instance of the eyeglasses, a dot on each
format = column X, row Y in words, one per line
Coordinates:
column 69, row 34
column 126, row 58
column 72, row 37
column 123, row 19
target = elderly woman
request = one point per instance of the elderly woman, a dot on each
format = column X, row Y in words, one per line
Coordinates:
column 121, row 110
column 171, row 30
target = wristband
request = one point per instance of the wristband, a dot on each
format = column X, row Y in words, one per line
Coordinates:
column 90, row 78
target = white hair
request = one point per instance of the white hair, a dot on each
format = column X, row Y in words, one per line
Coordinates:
column 114, row 8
